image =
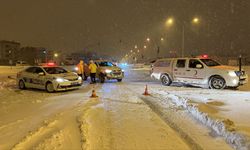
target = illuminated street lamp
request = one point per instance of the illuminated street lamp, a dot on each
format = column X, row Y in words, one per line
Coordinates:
column 135, row 46
column 131, row 51
column 169, row 21
column 56, row 55
column 196, row 20
column 148, row 39
column 162, row 39
column 144, row 46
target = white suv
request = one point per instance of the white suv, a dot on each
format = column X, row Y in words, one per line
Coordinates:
column 202, row 72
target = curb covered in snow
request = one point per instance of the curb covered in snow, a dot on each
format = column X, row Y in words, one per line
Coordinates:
column 237, row 140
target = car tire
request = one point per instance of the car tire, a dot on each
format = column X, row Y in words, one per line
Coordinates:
column 119, row 80
column 21, row 85
column 217, row 82
column 165, row 80
column 50, row 87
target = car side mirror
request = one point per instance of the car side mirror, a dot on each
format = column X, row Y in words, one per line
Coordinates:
column 41, row 74
column 198, row 66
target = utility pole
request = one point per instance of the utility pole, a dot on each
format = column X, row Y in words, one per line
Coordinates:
column 183, row 40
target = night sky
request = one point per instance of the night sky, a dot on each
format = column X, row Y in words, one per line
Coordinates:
column 118, row 25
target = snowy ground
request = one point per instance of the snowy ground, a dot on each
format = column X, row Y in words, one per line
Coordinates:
column 121, row 118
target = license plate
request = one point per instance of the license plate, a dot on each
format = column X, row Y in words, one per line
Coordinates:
column 74, row 83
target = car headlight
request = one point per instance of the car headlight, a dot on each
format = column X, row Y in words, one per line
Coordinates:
column 108, row 71
column 122, row 70
column 232, row 74
column 61, row 80
column 79, row 78
column 76, row 69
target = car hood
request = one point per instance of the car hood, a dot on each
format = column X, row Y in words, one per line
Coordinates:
column 224, row 67
column 114, row 68
column 69, row 76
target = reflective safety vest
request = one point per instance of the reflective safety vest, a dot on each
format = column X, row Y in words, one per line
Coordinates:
column 92, row 68
column 80, row 68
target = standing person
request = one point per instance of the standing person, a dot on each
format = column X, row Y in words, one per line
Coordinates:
column 80, row 70
column 92, row 68
column 86, row 71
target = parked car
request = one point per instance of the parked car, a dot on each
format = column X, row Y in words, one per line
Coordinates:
column 22, row 63
column 49, row 78
column 108, row 70
column 203, row 72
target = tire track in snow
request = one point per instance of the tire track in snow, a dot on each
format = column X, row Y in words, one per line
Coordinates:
column 33, row 137
column 155, row 108
column 143, row 124
column 83, row 123
column 56, row 129
column 183, row 135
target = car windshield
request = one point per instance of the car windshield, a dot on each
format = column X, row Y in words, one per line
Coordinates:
column 55, row 70
column 105, row 64
column 210, row 62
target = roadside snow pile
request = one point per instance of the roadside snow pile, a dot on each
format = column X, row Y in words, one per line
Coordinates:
column 223, row 127
column 7, row 82
column 7, row 76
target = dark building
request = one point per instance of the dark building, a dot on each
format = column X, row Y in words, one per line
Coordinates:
column 9, row 51
column 34, row 55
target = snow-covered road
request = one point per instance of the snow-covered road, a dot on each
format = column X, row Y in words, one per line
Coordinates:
column 120, row 118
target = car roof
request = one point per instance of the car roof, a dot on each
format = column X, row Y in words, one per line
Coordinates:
column 46, row 66
column 102, row 61
column 181, row 58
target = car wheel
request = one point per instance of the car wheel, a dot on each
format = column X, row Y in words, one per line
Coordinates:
column 50, row 87
column 217, row 82
column 21, row 85
column 119, row 80
column 102, row 78
column 165, row 80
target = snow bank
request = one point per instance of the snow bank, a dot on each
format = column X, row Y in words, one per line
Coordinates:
column 7, row 82
column 224, row 128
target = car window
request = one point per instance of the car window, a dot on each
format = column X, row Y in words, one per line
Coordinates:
column 162, row 63
column 193, row 63
column 181, row 63
column 55, row 70
column 210, row 62
column 30, row 69
column 38, row 70
column 105, row 64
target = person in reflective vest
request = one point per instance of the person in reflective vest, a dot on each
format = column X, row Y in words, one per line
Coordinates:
column 80, row 67
column 92, row 68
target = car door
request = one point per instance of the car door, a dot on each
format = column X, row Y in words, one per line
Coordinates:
column 161, row 67
column 179, row 70
column 27, row 76
column 38, row 78
column 157, row 69
column 196, row 72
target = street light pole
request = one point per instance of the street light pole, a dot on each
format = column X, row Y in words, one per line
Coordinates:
column 170, row 21
column 183, row 40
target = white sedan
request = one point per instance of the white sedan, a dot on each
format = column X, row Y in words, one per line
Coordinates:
column 49, row 78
